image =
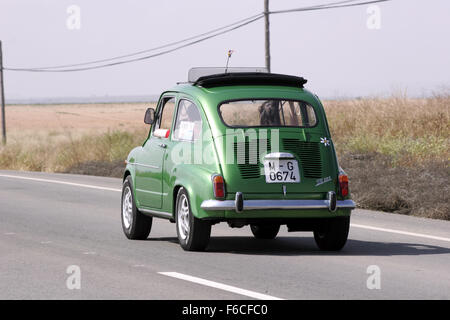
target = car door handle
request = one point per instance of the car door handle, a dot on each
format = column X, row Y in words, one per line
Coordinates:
column 162, row 145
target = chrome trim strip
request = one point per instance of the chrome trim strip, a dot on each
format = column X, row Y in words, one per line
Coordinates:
column 275, row 204
column 152, row 192
column 157, row 214
column 143, row 165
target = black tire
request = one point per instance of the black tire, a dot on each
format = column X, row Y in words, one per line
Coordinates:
column 196, row 236
column 333, row 234
column 265, row 231
column 140, row 225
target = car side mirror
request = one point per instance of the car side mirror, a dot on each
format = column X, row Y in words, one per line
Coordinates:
column 149, row 116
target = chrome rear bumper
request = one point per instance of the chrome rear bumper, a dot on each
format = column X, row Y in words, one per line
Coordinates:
column 214, row 205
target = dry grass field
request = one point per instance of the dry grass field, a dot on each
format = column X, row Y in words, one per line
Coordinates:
column 72, row 137
column 396, row 151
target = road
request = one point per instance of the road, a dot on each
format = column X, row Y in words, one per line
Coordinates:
column 49, row 222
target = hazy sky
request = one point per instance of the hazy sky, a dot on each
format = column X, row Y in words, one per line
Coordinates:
column 334, row 49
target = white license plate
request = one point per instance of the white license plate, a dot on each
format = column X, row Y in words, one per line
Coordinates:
column 281, row 171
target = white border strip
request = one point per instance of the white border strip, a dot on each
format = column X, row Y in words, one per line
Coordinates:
column 220, row 286
column 62, row 182
column 400, row 232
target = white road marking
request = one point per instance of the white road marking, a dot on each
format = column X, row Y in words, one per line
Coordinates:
column 400, row 232
column 10, row 233
column 220, row 286
column 46, row 242
column 89, row 253
column 62, row 182
column 119, row 190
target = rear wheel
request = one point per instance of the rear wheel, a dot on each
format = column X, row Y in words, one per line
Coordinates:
column 193, row 233
column 135, row 225
column 265, row 231
column 332, row 235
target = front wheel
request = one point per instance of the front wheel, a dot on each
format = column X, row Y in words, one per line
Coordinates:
column 135, row 225
column 332, row 235
column 193, row 233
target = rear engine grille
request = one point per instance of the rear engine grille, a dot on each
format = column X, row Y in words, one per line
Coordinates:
column 309, row 155
column 249, row 170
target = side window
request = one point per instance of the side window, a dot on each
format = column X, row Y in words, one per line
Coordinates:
column 188, row 125
column 312, row 121
column 165, row 120
column 297, row 113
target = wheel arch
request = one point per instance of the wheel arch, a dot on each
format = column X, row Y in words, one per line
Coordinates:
column 175, row 191
column 126, row 174
column 192, row 195
column 129, row 172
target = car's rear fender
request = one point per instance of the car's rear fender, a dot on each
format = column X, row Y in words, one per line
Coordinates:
column 196, row 179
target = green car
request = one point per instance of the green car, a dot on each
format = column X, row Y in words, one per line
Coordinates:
column 246, row 148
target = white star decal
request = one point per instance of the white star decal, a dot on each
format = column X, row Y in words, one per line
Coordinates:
column 325, row 141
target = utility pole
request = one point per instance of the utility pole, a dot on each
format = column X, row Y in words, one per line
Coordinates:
column 2, row 92
column 267, row 33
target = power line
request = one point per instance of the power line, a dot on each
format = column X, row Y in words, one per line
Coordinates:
column 146, row 50
column 203, row 37
column 329, row 6
column 140, row 58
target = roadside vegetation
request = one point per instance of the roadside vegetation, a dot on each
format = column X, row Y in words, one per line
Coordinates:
column 396, row 151
column 95, row 154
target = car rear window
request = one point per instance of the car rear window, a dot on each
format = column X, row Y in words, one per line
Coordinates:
column 267, row 113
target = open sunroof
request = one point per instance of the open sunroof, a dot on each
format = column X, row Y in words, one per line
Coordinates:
column 249, row 78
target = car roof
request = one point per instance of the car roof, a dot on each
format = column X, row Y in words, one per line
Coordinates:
column 232, row 86
column 211, row 96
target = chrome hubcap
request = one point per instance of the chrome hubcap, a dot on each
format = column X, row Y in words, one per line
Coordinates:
column 183, row 217
column 127, row 208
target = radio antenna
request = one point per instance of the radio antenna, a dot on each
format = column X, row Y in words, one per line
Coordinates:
column 230, row 52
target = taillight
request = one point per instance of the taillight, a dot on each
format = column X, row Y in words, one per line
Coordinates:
column 343, row 185
column 218, row 186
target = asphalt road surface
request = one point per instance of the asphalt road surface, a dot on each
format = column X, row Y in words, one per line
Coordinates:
column 55, row 227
